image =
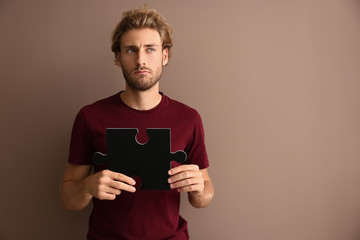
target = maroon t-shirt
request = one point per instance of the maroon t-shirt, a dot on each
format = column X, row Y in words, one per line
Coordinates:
column 144, row 214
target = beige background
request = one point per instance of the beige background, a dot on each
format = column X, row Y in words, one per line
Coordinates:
column 276, row 82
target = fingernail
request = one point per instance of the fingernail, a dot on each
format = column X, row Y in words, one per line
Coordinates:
column 169, row 180
column 169, row 172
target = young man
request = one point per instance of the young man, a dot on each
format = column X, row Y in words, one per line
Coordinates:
column 142, row 45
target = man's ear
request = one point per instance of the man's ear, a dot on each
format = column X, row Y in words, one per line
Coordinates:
column 165, row 56
column 117, row 59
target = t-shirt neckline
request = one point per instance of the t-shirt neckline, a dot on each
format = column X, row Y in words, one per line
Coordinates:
column 123, row 105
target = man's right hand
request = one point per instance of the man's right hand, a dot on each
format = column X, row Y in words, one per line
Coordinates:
column 106, row 184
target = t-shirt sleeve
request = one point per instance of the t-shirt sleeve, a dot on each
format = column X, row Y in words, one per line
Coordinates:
column 196, row 151
column 81, row 148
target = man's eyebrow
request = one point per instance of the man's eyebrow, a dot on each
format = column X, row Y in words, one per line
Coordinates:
column 146, row 45
column 151, row 45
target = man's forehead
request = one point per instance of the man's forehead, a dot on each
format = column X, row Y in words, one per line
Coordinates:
column 143, row 37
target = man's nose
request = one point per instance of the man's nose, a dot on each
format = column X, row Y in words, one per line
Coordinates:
column 141, row 58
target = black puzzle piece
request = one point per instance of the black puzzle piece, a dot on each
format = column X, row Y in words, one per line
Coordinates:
column 151, row 161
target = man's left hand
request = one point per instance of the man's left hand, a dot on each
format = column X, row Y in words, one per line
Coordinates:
column 187, row 178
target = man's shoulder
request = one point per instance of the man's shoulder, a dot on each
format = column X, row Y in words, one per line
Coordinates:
column 182, row 107
column 101, row 104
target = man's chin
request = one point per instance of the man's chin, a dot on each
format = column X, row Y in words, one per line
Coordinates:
column 140, row 87
column 141, row 83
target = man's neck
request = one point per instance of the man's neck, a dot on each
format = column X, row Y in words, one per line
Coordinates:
column 141, row 100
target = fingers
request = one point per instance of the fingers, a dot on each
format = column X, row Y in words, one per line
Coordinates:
column 183, row 168
column 119, row 181
column 185, row 175
column 186, row 178
column 121, row 186
column 120, row 177
column 108, row 184
column 107, row 193
column 189, row 185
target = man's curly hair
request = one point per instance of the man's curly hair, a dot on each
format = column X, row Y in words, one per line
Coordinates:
column 142, row 18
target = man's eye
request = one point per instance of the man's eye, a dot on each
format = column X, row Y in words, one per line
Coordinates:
column 131, row 50
column 151, row 50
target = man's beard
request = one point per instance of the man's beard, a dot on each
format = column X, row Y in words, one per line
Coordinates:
column 140, row 84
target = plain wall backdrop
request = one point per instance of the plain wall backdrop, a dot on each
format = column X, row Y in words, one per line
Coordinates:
column 276, row 83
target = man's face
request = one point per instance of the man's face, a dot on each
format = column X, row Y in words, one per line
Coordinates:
column 142, row 58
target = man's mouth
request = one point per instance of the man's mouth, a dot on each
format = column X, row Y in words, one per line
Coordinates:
column 141, row 71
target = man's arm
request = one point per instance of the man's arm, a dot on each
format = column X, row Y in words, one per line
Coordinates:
column 196, row 182
column 79, row 186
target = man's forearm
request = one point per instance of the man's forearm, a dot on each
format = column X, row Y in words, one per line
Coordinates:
column 203, row 199
column 73, row 195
